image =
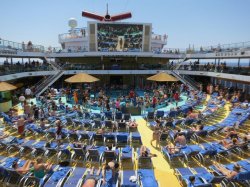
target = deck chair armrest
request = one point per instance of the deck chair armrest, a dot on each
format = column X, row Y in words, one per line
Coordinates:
column 60, row 182
column 26, row 178
column 59, row 154
column 186, row 181
column 115, row 140
column 72, row 156
column 101, row 157
column 185, row 156
column 176, row 172
column 79, row 137
column 168, row 156
column 86, row 156
column 79, row 183
column 203, row 180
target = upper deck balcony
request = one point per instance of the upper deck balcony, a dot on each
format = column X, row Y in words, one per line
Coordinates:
column 78, row 34
column 10, row 47
column 78, row 47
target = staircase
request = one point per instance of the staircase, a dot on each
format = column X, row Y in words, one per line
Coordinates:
column 54, row 65
column 185, row 79
column 42, row 85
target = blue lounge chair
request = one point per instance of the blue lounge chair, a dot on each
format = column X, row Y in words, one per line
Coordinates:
column 183, row 175
column 111, row 181
column 78, row 154
column 125, row 178
column 13, row 178
column 58, row 177
column 209, row 177
column 108, row 115
column 150, row 116
column 86, row 136
column 126, row 153
column 122, row 138
column 127, row 117
column 118, row 116
column 147, row 178
column 75, row 176
column 136, row 138
column 108, row 124
column 159, row 114
column 108, row 155
column 39, row 148
column 122, row 126
column 173, row 158
column 86, row 175
column 94, row 153
column 143, row 161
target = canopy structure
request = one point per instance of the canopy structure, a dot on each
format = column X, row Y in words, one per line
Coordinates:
column 4, row 86
column 81, row 78
column 162, row 77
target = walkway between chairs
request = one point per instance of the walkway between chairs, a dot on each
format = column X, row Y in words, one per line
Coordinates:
column 163, row 173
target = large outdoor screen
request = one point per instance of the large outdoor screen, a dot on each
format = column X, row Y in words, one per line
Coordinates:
column 119, row 37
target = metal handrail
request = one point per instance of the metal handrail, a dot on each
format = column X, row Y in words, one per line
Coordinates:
column 6, row 44
column 192, row 81
column 47, row 82
column 220, row 48
column 182, row 79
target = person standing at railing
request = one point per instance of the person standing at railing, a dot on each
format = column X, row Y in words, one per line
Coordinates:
column 23, row 46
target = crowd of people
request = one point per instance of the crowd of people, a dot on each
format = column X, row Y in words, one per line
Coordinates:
column 157, row 95
column 110, row 36
column 17, row 67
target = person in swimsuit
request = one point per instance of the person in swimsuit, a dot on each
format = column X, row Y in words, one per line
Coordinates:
column 40, row 168
column 145, row 152
column 112, row 165
column 24, row 169
column 230, row 174
column 92, row 179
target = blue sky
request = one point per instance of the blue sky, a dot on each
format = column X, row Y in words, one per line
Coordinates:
column 195, row 22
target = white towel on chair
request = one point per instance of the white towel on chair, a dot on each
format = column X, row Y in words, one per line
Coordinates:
column 132, row 178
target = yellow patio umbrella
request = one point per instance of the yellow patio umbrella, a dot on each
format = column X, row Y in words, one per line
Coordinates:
column 4, row 86
column 162, row 77
column 81, row 78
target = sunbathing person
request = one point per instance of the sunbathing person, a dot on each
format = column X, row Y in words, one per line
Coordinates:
column 92, row 179
column 228, row 173
column 100, row 131
column 144, row 152
column 231, row 128
column 227, row 144
column 191, row 181
column 232, row 133
column 179, row 142
column 41, row 168
column 197, row 128
column 245, row 135
column 132, row 124
column 3, row 135
column 24, row 169
column 113, row 166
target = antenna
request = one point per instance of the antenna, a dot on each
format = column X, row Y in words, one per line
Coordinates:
column 107, row 9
